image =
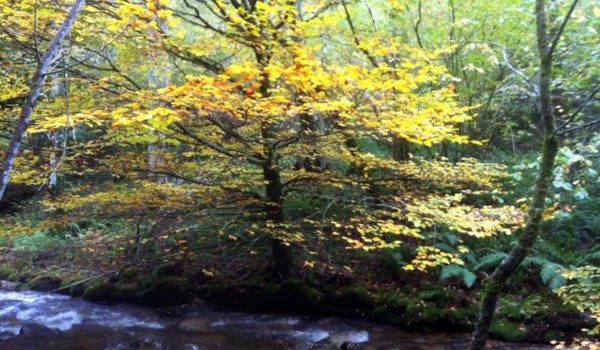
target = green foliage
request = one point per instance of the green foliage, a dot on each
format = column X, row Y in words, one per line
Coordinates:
column 36, row 242
column 583, row 292
column 551, row 275
column 454, row 270
column 490, row 260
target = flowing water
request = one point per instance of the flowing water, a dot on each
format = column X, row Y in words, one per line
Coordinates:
column 72, row 323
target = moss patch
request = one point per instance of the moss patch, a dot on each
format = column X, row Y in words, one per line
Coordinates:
column 168, row 291
column 506, row 330
column 6, row 272
column 105, row 291
column 44, row 283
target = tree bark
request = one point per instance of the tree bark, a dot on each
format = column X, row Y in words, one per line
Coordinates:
column 35, row 90
column 499, row 277
column 400, row 149
column 283, row 258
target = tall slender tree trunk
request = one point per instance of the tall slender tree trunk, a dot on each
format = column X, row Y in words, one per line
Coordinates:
column 35, row 89
column 282, row 251
column 497, row 281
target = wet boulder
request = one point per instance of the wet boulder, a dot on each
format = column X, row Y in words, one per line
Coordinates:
column 168, row 291
column 44, row 283
column 106, row 291
column 37, row 330
column 142, row 345
column 8, row 286
column 194, row 324
column 351, row 346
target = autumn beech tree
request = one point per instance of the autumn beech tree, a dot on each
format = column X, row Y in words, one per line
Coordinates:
column 234, row 129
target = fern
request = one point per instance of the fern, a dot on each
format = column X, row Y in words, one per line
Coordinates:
column 491, row 259
column 591, row 258
column 550, row 250
column 445, row 247
column 454, row 270
column 534, row 261
column 551, row 275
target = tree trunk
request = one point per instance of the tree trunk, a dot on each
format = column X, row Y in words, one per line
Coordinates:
column 400, row 149
column 283, row 258
column 35, row 90
column 499, row 277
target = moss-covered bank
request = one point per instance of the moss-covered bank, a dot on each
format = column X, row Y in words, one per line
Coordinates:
column 430, row 308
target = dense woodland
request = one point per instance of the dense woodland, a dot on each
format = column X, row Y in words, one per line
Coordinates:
column 427, row 164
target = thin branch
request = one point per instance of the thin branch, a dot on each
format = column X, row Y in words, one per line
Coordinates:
column 561, row 28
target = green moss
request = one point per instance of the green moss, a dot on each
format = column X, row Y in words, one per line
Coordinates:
column 6, row 272
column 439, row 295
column 67, row 288
column 105, row 291
column 129, row 274
column 395, row 300
column 432, row 313
column 77, row 290
column 299, row 292
column 552, row 334
column 168, row 269
column 44, row 283
column 168, row 291
column 357, row 295
column 467, row 313
column 506, row 330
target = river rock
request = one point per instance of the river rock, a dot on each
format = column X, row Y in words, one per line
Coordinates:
column 349, row 340
column 351, row 346
column 8, row 286
column 37, row 330
column 44, row 283
column 194, row 324
column 142, row 345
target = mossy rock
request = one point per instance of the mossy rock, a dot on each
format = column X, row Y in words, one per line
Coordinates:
column 66, row 288
column 105, row 291
column 438, row 295
column 383, row 313
column 168, row 291
column 467, row 312
column 25, row 277
column 168, row 269
column 129, row 274
column 352, row 298
column 506, row 330
column 44, row 283
column 395, row 301
column 299, row 292
column 553, row 334
column 6, row 272
column 77, row 290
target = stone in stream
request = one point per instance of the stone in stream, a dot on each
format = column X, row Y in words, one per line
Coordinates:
column 37, row 330
column 350, row 340
column 194, row 324
column 351, row 346
column 142, row 345
column 8, row 286
column 44, row 283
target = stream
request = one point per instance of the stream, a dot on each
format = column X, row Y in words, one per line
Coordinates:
column 54, row 321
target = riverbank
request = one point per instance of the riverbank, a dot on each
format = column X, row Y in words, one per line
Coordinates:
column 38, row 320
column 431, row 308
